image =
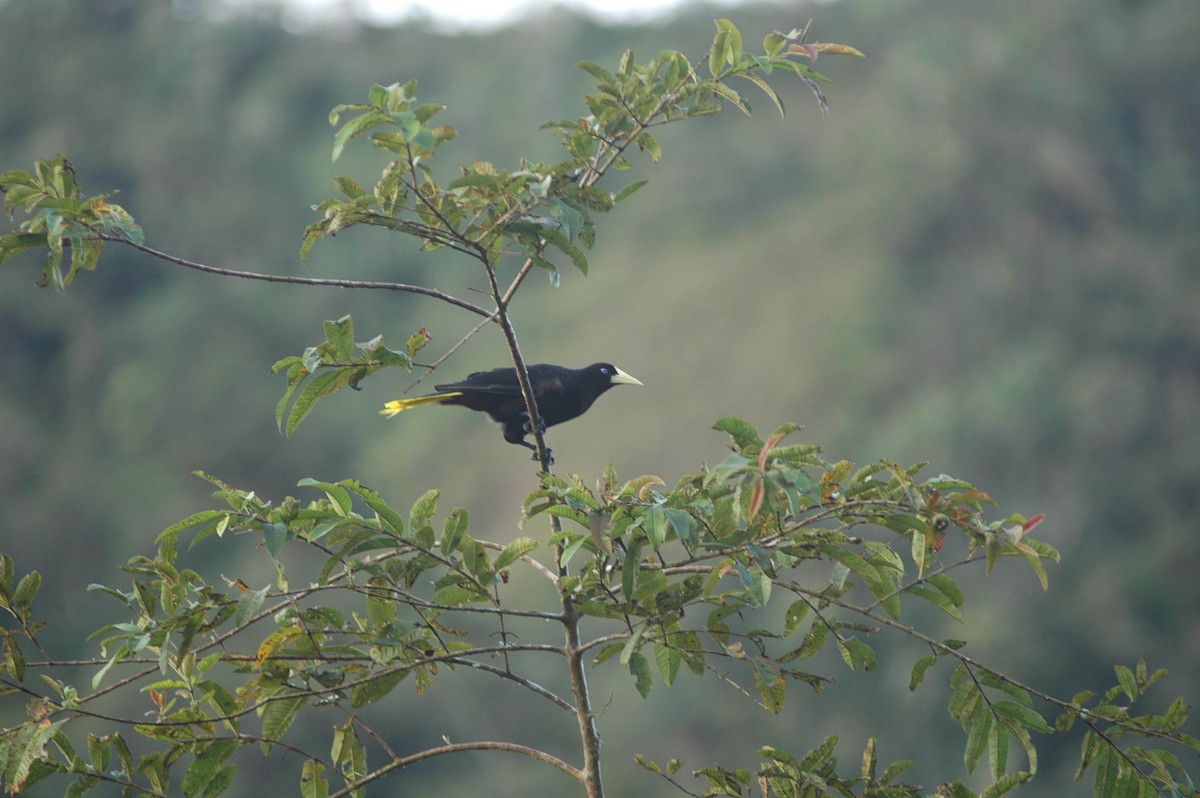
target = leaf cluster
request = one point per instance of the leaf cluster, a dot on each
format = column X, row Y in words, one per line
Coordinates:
column 672, row 578
column 61, row 219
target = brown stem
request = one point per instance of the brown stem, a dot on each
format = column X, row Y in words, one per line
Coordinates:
column 292, row 280
column 453, row 748
column 589, row 734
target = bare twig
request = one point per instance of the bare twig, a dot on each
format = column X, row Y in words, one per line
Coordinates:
column 380, row 285
column 452, row 748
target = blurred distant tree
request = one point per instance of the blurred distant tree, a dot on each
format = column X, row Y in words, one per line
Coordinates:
column 652, row 575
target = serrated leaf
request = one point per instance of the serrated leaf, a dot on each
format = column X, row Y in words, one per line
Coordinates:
column 349, row 187
column 997, row 750
column 454, row 529
column 14, row 244
column 195, row 519
column 514, row 551
column 668, row 659
column 423, row 510
column 376, row 688
column 320, row 386
column 27, row 588
column 277, row 717
column 1024, row 715
column 1127, row 681
column 596, row 71
column 977, row 739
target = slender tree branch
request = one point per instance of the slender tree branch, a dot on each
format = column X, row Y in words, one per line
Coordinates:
column 446, row 356
column 453, row 748
column 293, row 280
column 521, row 680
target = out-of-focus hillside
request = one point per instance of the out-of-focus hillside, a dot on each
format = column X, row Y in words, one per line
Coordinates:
column 987, row 257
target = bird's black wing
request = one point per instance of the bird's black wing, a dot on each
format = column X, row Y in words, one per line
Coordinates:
column 497, row 382
column 544, row 379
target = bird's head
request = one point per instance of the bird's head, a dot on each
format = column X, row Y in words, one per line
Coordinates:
column 607, row 373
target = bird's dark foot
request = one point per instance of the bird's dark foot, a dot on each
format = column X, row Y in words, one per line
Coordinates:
column 541, row 427
column 549, row 457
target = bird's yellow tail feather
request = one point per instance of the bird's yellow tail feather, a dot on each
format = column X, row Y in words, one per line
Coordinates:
column 396, row 405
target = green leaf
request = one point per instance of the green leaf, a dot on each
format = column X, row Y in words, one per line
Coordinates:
column 977, row 738
column 937, row 599
column 948, row 587
column 598, row 72
column 628, row 191
column 14, row 660
column 561, row 242
column 769, row 681
column 274, row 536
column 639, row 666
column 208, row 774
column 654, row 521
column 313, row 783
column 1035, row 562
column 277, row 717
column 514, row 551
column 997, row 750
column 1127, row 681
column 454, row 529
column 14, row 244
column 668, row 659
column 353, row 129
column 1023, row 715
column 918, row 671
column 349, row 187
column 320, row 386
column 339, row 497
column 730, row 95
column 27, row 588
column 202, row 518
column 757, row 80
column 376, row 687
column 774, row 42
column 390, row 519
column 744, row 436
column 757, row 584
column 726, row 48
column 814, row 639
column 797, row 611
column 248, row 605
column 423, row 510
column 340, row 336
column 855, row 651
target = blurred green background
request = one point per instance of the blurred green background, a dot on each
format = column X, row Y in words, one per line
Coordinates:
column 987, row 257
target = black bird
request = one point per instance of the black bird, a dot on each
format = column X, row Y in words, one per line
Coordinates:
column 561, row 394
